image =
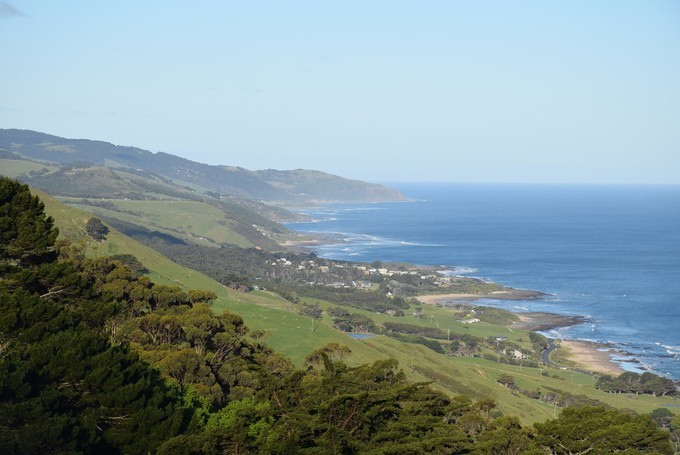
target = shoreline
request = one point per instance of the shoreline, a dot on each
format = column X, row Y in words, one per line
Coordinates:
column 506, row 294
column 587, row 355
column 307, row 242
column 539, row 321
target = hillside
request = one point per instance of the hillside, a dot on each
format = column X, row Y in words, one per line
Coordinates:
column 279, row 187
column 98, row 358
column 293, row 332
column 149, row 201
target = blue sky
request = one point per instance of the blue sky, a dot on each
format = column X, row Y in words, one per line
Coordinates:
column 461, row 91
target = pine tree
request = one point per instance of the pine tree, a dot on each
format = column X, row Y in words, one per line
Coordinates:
column 26, row 235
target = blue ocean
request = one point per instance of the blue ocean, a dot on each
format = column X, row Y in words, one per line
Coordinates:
column 608, row 252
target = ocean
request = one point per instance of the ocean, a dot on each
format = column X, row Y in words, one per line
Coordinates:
column 608, row 252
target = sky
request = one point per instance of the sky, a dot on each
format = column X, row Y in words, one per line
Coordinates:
column 449, row 91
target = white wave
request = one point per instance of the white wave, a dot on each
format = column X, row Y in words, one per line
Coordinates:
column 466, row 270
column 672, row 350
column 314, row 220
column 556, row 334
column 589, row 340
column 360, row 209
column 458, row 270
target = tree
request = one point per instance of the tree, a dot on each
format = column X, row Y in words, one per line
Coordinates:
column 675, row 433
column 132, row 263
column 96, row 229
column 199, row 295
column 312, row 311
column 601, row 431
column 505, row 436
column 507, row 380
column 328, row 355
column 630, row 382
column 26, row 235
column 663, row 417
column 63, row 387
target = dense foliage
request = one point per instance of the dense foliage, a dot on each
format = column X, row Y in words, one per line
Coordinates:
column 96, row 229
column 95, row 358
column 630, row 382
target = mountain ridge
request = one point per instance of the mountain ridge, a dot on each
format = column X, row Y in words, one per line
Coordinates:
column 287, row 187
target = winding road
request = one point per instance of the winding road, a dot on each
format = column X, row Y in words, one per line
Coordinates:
column 545, row 357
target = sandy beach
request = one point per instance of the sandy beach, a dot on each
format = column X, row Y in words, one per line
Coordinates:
column 440, row 298
column 584, row 354
column 507, row 294
column 587, row 356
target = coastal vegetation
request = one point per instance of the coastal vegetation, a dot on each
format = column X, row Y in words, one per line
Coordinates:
column 629, row 382
column 96, row 357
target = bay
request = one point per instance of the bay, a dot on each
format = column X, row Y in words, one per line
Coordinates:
column 609, row 252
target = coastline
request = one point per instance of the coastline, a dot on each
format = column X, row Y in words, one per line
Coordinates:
column 585, row 355
column 463, row 228
column 538, row 321
column 507, row 294
column 308, row 241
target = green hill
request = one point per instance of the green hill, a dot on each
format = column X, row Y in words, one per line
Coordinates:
column 144, row 199
column 97, row 358
column 296, row 335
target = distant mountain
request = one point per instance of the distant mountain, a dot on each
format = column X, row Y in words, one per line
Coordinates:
column 317, row 186
column 280, row 187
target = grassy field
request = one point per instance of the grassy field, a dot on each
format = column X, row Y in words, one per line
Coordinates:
column 16, row 168
column 196, row 221
column 292, row 334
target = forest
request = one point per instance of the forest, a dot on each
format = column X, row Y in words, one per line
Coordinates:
column 96, row 358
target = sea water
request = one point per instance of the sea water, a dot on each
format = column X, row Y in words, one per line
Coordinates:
column 608, row 252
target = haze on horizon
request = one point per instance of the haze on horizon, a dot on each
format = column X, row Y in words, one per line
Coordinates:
column 558, row 92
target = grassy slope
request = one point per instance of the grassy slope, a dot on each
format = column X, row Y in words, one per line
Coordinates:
column 476, row 377
column 291, row 334
column 16, row 168
column 260, row 310
column 188, row 219
column 225, row 220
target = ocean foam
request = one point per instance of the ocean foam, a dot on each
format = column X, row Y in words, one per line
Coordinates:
column 458, row 270
column 672, row 350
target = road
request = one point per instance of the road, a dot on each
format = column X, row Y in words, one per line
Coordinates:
column 545, row 357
